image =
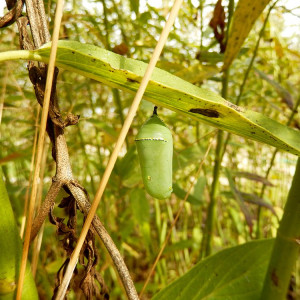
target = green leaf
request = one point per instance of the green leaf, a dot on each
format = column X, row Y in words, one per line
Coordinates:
column 134, row 5
column 186, row 157
column 166, row 90
column 245, row 15
column 282, row 92
column 235, row 273
column 180, row 193
column 102, row 125
column 254, row 199
column 199, row 188
column 252, row 176
column 11, row 252
column 140, row 206
column 238, row 197
column 181, row 245
column 128, row 168
column 141, row 212
column 197, row 73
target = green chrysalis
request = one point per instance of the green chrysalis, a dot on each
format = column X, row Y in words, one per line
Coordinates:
column 155, row 149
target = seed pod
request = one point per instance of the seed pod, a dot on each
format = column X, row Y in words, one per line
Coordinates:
column 155, row 149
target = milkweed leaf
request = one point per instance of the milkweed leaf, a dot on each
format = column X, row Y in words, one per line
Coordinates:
column 235, row 273
column 245, row 15
column 166, row 90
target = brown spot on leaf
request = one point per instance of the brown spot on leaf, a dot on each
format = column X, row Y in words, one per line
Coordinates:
column 274, row 278
column 132, row 80
column 211, row 113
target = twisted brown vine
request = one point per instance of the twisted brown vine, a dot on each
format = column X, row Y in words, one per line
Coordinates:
column 78, row 197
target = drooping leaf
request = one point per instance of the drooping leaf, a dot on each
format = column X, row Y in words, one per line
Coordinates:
column 282, row 92
column 217, row 23
column 254, row 199
column 238, row 197
column 245, row 15
column 10, row 157
column 235, row 273
column 252, row 176
column 165, row 90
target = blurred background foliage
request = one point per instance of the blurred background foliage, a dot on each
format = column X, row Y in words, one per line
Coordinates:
column 138, row 223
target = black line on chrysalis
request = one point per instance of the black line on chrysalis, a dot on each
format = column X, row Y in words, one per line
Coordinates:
column 211, row 113
column 155, row 110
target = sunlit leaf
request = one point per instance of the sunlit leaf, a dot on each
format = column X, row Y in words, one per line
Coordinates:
column 166, row 90
column 11, row 252
column 235, row 273
column 245, row 14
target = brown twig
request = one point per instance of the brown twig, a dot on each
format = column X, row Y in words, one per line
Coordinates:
column 45, row 208
column 40, row 147
column 13, row 14
column 84, row 205
column 34, row 15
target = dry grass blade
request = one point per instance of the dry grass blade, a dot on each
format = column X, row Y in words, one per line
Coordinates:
column 31, row 171
column 40, row 147
column 74, row 257
column 38, row 241
column 3, row 94
column 176, row 219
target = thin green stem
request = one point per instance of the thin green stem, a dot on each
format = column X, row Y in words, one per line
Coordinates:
column 286, row 247
column 115, row 92
column 212, row 207
column 211, row 211
column 87, row 161
column 116, row 10
column 254, row 55
column 106, row 25
column 208, row 233
column 201, row 24
column 230, row 14
column 118, row 103
column 19, row 54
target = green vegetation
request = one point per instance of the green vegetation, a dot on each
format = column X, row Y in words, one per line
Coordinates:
column 226, row 85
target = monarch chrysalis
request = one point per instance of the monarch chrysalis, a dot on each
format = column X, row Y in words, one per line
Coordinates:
column 155, row 149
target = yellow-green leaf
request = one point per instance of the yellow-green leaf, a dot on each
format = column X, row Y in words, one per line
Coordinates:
column 235, row 273
column 166, row 90
column 245, row 15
